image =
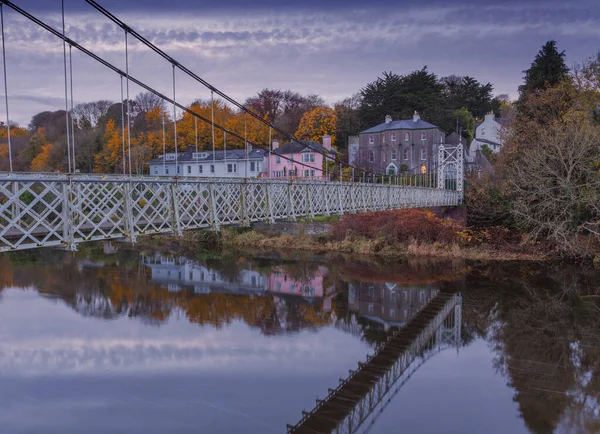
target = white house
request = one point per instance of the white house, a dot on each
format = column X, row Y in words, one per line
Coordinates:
column 488, row 133
column 235, row 163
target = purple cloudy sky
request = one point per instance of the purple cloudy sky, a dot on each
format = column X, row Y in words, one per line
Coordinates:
column 329, row 47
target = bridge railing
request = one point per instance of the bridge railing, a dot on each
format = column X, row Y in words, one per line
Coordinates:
column 41, row 210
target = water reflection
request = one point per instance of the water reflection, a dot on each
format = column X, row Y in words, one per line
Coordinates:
column 245, row 344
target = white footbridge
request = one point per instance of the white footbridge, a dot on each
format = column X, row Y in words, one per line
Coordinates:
column 42, row 210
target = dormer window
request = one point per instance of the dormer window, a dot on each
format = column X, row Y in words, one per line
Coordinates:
column 170, row 157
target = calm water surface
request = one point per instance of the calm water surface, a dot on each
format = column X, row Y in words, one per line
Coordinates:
column 110, row 341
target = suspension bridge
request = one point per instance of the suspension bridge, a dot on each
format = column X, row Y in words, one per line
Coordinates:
column 361, row 397
column 44, row 210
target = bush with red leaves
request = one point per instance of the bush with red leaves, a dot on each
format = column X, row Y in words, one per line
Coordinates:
column 398, row 226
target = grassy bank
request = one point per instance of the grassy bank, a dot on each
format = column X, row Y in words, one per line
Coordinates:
column 414, row 233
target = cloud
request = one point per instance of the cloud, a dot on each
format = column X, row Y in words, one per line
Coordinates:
column 330, row 48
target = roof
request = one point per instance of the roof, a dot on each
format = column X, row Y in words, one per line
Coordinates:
column 405, row 124
column 298, row 146
column 453, row 139
column 233, row 154
column 487, row 142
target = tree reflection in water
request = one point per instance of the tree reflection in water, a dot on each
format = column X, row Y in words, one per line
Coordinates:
column 541, row 322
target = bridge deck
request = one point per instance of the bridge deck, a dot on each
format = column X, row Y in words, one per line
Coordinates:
column 331, row 412
column 43, row 210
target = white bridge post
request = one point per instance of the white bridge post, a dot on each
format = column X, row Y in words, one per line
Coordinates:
column 128, row 199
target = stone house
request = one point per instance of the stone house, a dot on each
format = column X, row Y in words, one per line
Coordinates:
column 408, row 145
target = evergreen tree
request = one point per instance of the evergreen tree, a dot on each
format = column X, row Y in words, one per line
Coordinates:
column 547, row 70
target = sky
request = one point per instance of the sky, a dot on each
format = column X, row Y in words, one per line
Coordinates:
column 329, row 47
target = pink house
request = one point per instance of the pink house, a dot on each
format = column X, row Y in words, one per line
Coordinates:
column 279, row 282
column 299, row 159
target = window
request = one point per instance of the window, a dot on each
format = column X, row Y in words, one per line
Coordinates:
column 422, row 296
column 371, row 140
column 189, row 170
column 278, row 173
column 178, row 170
column 371, row 309
column 406, row 154
column 277, row 159
column 199, row 168
column 308, row 158
column 423, row 154
column 231, row 168
column 424, row 135
column 170, row 157
column 202, row 276
column 278, row 286
column 199, row 155
column 292, row 172
column 309, row 172
column 383, row 155
column 252, row 166
column 191, row 276
column 482, row 132
column 407, row 136
column 212, row 168
column 167, row 171
column 423, row 169
column 382, row 137
column 156, row 170
column 371, row 156
column 393, row 313
column 394, row 154
column 393, row 137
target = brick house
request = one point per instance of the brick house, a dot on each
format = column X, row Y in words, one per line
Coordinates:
column 392, row 147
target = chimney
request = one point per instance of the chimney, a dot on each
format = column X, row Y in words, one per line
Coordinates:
column 327, row 142
column 388, row 119
column 249, row 147
column 490, row 117
column 416, row 116
column 275, row 144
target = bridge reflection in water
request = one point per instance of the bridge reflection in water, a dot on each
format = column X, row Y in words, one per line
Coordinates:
column 365, row 393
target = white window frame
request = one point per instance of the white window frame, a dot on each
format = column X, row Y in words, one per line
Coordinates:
column 406, row 136
column 371, row 156
column 308, row 158
column 393, row 137
column 156, row 170
column 200, row 168
column 394, row 154
column 277, row 159
column 166, row 171
column 423, row 135
column 253, row 166
column 189, row 170
column 371, row 140
column 406, row 154
column 231, row 167
column 212, row 168
column 423, row 156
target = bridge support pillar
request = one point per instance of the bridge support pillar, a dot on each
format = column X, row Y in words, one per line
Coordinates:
column 291, row 209
column 68, row 234
column 175, row 222
column 128, row 198
column 213, row 208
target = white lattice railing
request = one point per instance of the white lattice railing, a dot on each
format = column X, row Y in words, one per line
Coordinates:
column 42, row 210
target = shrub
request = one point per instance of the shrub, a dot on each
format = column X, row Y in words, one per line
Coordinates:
column 399, row 226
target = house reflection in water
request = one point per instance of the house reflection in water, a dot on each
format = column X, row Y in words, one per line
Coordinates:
column 176, row 274
column 388, row 304
column 311, row 287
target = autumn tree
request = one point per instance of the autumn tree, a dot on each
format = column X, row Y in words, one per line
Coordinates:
column 348, row 120
column 317, row 123
column 110, row 158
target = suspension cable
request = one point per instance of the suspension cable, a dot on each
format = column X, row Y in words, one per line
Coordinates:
column 72, row 121
column 66, row 87
column 191, row 74
column 122, row 73
column 128, row 103
column 212, row 123
column 123, row 125
column 6, row 90
column 175, row 125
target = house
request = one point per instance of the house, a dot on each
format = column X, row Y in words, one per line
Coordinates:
column 300, row 159
column 408, row 145
column 234, row 163
column 488, row 133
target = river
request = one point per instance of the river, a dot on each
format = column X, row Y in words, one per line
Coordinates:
column 108, row 341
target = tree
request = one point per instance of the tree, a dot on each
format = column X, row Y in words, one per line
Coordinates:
column 89, row 114
column 42, row 162
column 348, row 121
column 469, row 93
column 547, row 70
column 316, row 123
column 465, row 122
column 147, row 101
